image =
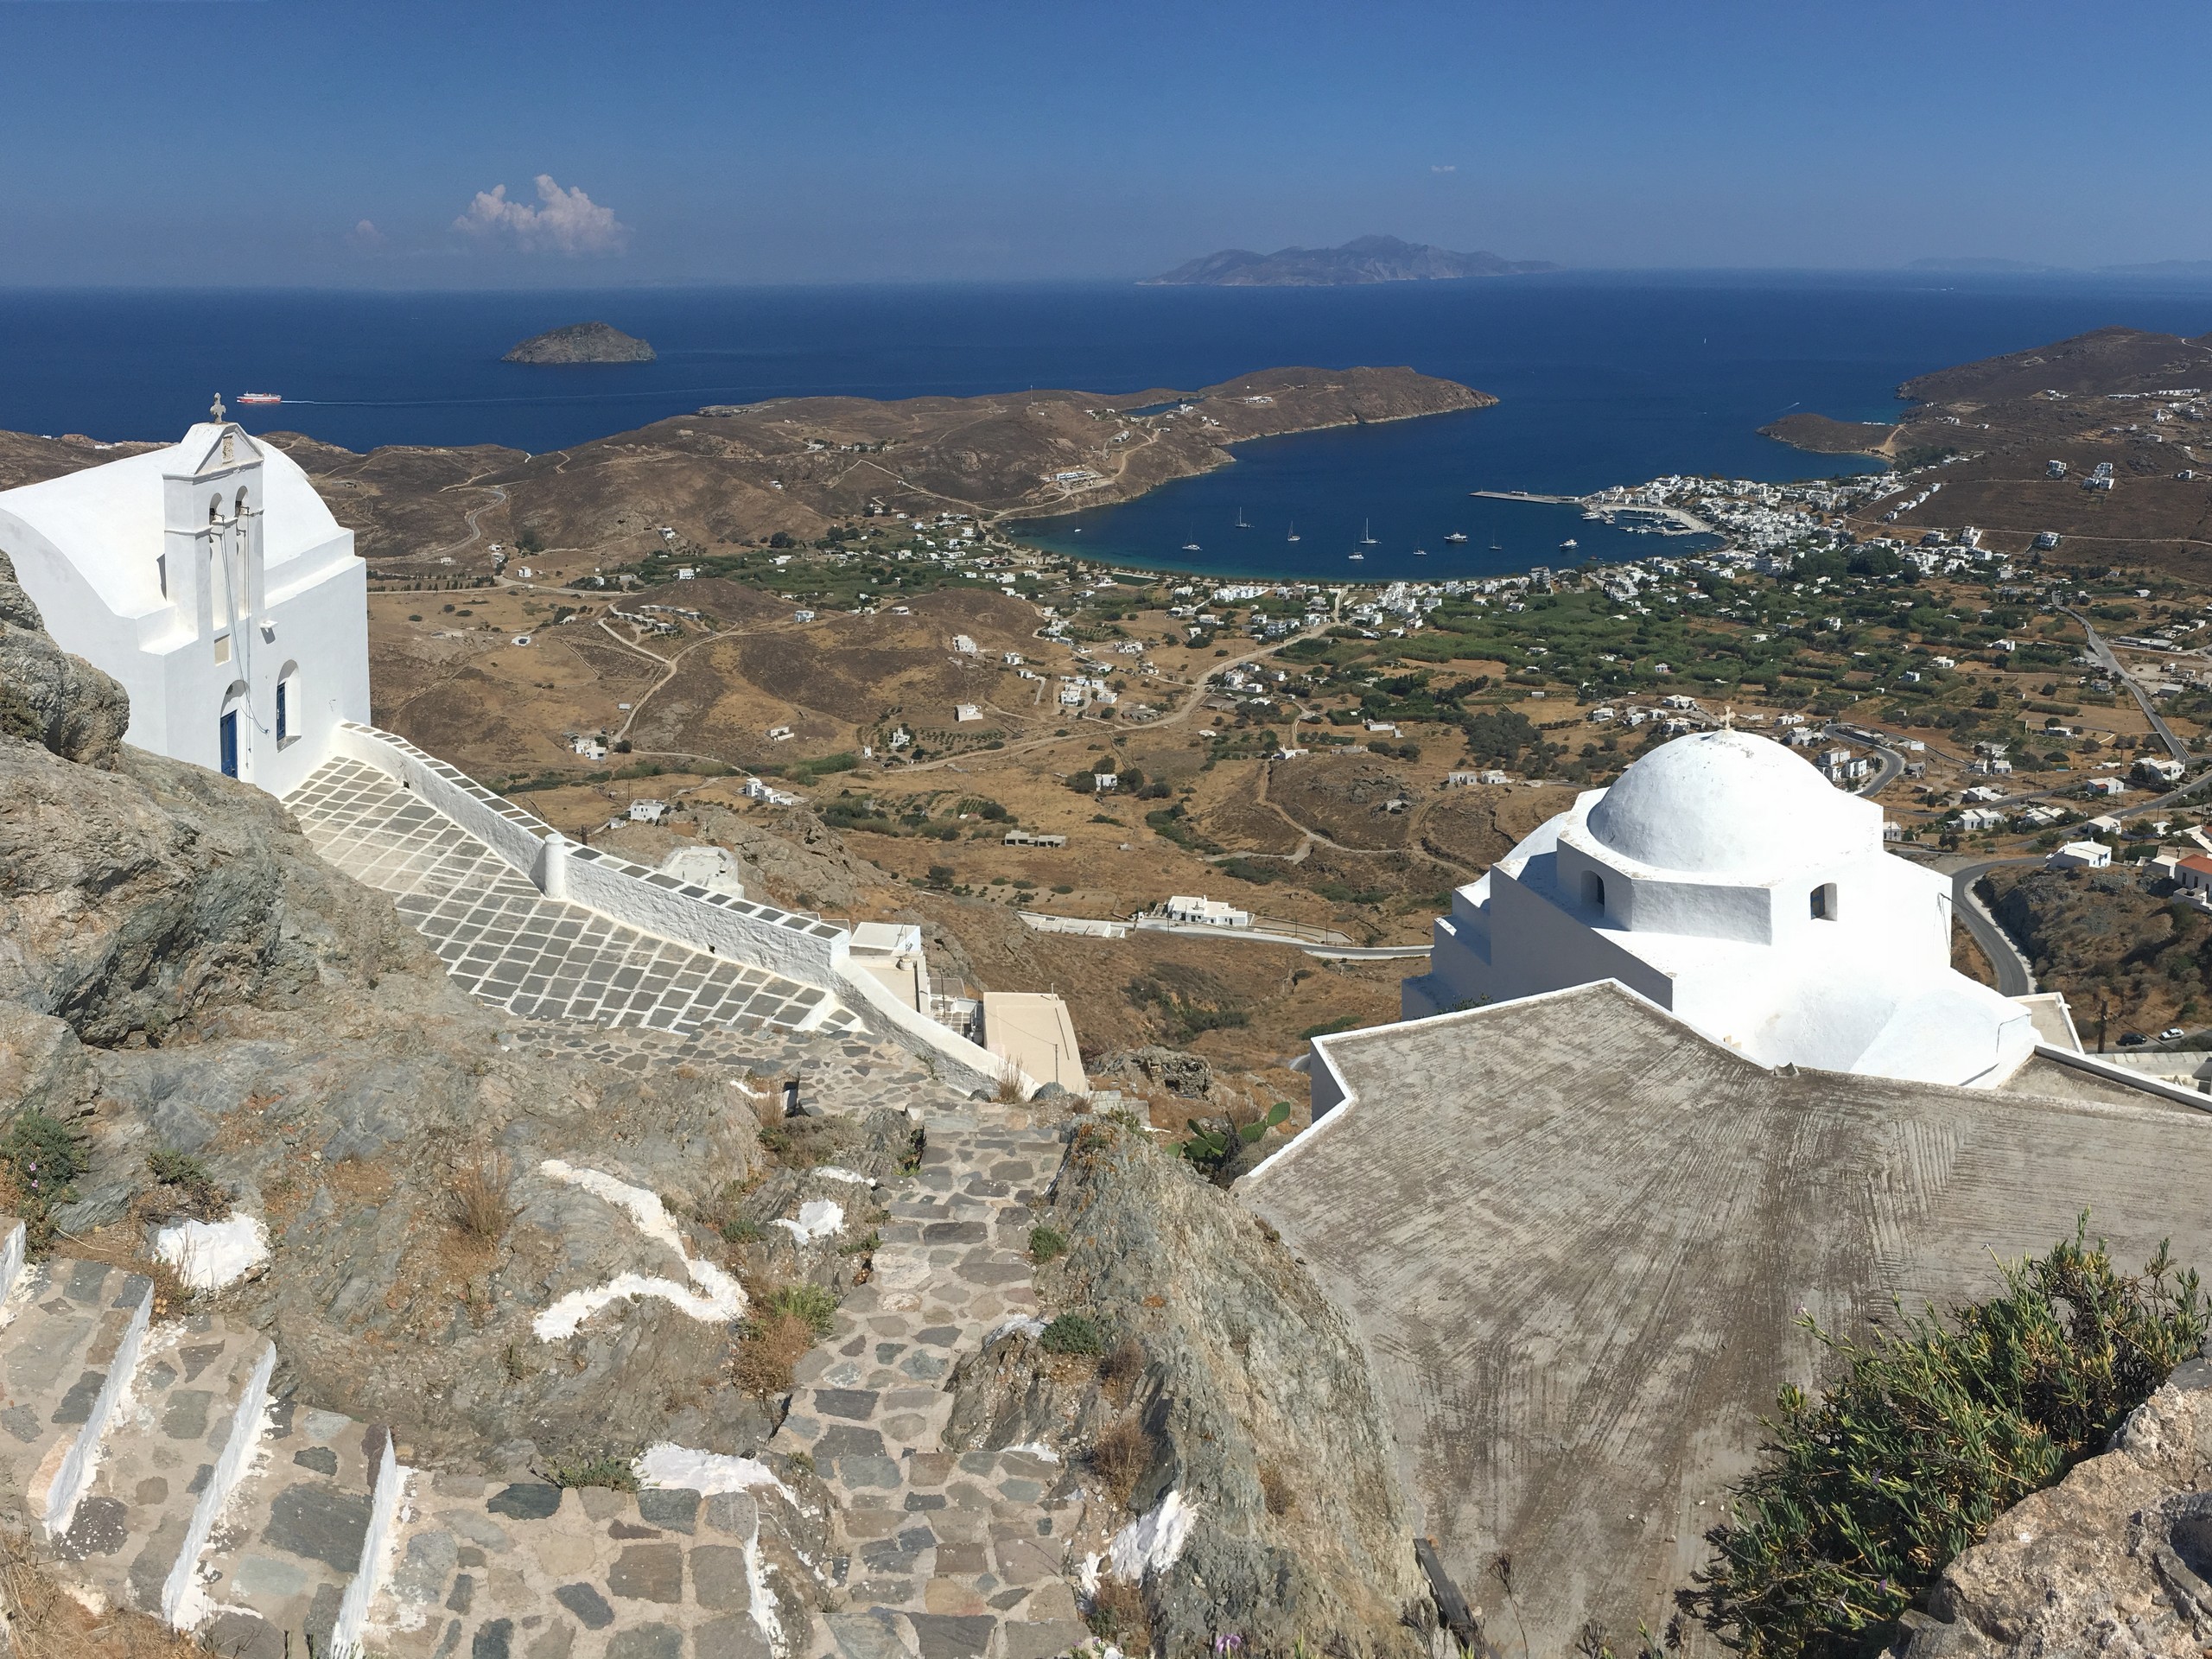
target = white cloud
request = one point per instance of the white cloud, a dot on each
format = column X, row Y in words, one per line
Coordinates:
column 366, row 235
column 564, row 221
column 1444, row 166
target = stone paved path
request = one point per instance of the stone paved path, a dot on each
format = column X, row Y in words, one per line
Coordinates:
column 942, row 1553
column 505, row 942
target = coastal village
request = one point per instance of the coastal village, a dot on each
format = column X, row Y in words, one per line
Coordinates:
column 891, row 1092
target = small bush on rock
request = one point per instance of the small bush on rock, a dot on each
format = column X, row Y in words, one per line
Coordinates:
column 43, row 1157
column 185, row 1187
column 615, row 1473
column 1046, row 1245
column 1074, row 1333
column 1867, row 1491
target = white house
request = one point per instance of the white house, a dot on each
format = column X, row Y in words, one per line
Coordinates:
column 1724, row 879
column 2080, row 855
column 211, row 581
column 1209, row 913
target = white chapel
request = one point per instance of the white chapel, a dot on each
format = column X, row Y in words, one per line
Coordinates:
column 210, row 578
column 1725, row 879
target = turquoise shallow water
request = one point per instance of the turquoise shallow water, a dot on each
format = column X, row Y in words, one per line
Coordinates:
column 1605, row 378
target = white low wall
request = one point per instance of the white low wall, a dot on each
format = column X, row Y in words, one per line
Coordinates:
column 966, row 1065
column 761, row 935
column 508, row 830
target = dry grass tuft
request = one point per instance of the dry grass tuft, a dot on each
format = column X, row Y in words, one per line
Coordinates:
column 125, row 1244
column 772, row 1344
column 43, row 1621
column 1122, row 1366
column 1117, row 1614
column 1010, row 1091
column 478, row 1202
column 1122, row 1454
column 1275, row 1486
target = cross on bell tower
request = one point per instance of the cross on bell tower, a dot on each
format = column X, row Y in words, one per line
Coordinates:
column 217, row 411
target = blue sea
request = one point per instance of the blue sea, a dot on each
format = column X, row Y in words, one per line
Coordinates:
column 1605, row 377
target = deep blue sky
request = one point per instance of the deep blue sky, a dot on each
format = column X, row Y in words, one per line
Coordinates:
column 253, row 142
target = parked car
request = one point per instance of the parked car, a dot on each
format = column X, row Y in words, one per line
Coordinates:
column 2172, row 1034
column 2133, row 1040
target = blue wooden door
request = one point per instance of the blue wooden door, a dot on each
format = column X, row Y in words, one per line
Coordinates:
column 231, row 744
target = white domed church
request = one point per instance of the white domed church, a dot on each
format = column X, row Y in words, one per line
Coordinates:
column 210, row 578
column 1725, row 880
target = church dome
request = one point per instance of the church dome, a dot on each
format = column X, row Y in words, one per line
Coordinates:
column 1715, row 803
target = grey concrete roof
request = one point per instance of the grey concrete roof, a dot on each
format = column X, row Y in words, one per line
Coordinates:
column 1577, row 1237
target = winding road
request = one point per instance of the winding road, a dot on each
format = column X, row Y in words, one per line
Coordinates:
column 2014, row 976
column 2104, row 655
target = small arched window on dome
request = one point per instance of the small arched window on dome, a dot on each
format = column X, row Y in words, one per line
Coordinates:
column 1824, row 902
column 1593, row 892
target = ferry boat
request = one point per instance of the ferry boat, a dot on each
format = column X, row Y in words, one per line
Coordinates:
column 260, row 398
column 1456, row 536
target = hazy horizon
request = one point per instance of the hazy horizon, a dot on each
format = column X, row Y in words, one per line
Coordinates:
column 272, row 143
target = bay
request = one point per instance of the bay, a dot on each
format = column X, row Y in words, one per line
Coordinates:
column 1605, row 377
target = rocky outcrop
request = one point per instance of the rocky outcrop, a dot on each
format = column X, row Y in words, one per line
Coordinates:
column 48, row 696
column 179, row 972
column 1226, row 1385
column 2116, row 1559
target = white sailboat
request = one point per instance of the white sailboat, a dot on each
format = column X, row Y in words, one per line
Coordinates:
column 1293, row 531
column 1366, row 534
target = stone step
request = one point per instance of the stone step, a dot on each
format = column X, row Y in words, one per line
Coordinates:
column 500, row 1570
column 286, row 1547
column 71, row 1335
column 163, row 1459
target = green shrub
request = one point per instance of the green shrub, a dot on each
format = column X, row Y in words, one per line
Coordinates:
column 192, row 1190
column 609, row 1471
column 1047, row 1243
column 1866, row 1492
column 812, row 1302
column 1075, row 1333
column 44, row 1157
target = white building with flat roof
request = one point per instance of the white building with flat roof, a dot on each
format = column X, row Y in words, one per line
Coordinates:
column 1725, row 879
column 209, row 578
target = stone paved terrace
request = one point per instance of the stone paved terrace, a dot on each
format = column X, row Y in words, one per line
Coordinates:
column 505, row 942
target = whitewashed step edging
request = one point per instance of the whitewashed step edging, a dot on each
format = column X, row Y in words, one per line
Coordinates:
column 183, row 1606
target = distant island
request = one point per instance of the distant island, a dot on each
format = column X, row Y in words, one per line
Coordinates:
column 1980, row 264
column 1366, row 259
column 581, row 342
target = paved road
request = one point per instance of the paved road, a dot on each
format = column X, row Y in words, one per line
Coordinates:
column 1887, row 773
column 2103, row 653
column 2014, row 977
